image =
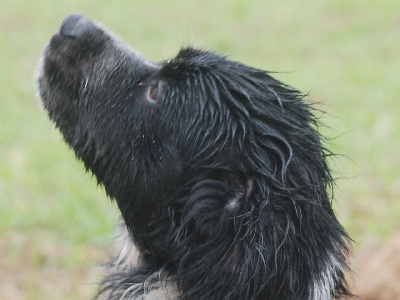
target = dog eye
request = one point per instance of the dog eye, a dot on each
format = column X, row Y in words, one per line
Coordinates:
column 154, row 92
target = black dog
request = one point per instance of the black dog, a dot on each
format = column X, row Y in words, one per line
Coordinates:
column 217, row 168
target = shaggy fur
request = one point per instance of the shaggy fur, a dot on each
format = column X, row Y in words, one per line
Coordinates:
column 217, row 168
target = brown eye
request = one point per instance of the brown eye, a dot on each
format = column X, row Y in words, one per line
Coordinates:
column 154, row 92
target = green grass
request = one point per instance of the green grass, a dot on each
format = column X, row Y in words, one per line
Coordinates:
column 53, row 217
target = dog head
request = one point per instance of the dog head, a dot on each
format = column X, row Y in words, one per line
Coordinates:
column 218, row 169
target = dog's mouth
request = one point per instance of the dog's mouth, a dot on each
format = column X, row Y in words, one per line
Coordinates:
column 83, row 53
column 82, row 50
column 77, row 40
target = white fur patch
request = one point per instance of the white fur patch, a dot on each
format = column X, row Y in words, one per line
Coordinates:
column 127, row 254
column 325, row 283
column 156, row 286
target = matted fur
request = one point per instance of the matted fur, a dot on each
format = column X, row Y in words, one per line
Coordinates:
column 217, row 168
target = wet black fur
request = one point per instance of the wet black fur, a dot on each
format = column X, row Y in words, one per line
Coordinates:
column 217, row 168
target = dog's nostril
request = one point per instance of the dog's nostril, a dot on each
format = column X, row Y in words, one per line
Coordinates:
column 74, row 26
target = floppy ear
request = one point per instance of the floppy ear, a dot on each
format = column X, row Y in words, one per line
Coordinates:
column 215, row 244
column 204, row 231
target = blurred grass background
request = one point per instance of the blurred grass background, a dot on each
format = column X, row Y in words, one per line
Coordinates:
column 56, row 224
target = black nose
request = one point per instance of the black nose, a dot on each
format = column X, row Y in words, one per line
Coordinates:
column 74, row 26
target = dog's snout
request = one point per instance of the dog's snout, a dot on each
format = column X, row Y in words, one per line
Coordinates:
column 75, row 26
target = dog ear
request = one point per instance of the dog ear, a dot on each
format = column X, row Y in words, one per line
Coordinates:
column 206, row 233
